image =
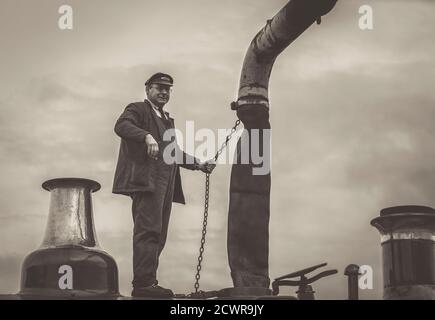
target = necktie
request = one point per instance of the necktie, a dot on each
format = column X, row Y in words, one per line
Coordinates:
column 165, row 120
column 161, row 112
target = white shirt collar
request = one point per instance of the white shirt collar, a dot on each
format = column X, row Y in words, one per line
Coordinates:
column 156, row 110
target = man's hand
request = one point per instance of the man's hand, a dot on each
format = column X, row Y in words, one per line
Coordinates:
column 207, row 167
column 152, row 146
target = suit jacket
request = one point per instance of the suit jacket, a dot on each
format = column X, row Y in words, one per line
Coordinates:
column 135, row 170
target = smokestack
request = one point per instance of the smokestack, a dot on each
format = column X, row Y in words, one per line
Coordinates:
column 70, row 263
column 408, row 252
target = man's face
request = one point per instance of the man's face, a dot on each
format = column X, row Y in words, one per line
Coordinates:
column 158, row 93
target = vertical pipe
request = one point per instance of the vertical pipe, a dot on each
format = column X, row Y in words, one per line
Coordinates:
column 249, row 205
column 352, row 273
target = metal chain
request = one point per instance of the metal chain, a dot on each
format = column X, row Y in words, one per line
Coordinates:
column 206, row 200
column 227, row 139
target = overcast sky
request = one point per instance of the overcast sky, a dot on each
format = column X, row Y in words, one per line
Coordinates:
column 351, row 111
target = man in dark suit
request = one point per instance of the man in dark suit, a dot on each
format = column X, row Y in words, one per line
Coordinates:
column 151, row 181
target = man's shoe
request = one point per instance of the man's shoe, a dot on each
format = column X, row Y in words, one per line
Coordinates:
column 154, row 291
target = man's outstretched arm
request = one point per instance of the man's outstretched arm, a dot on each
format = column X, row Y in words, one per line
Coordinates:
column 192, row 163
column 188, row 161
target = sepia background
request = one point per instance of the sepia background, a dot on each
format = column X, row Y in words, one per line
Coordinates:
column 352, row 114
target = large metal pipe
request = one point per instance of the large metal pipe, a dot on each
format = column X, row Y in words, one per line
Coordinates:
column 408, row 252
column 286, row 26
column 70, row 263
column 249, row 206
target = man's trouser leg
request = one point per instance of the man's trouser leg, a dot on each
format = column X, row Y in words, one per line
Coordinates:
column 147, row 217
column 151, row 213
